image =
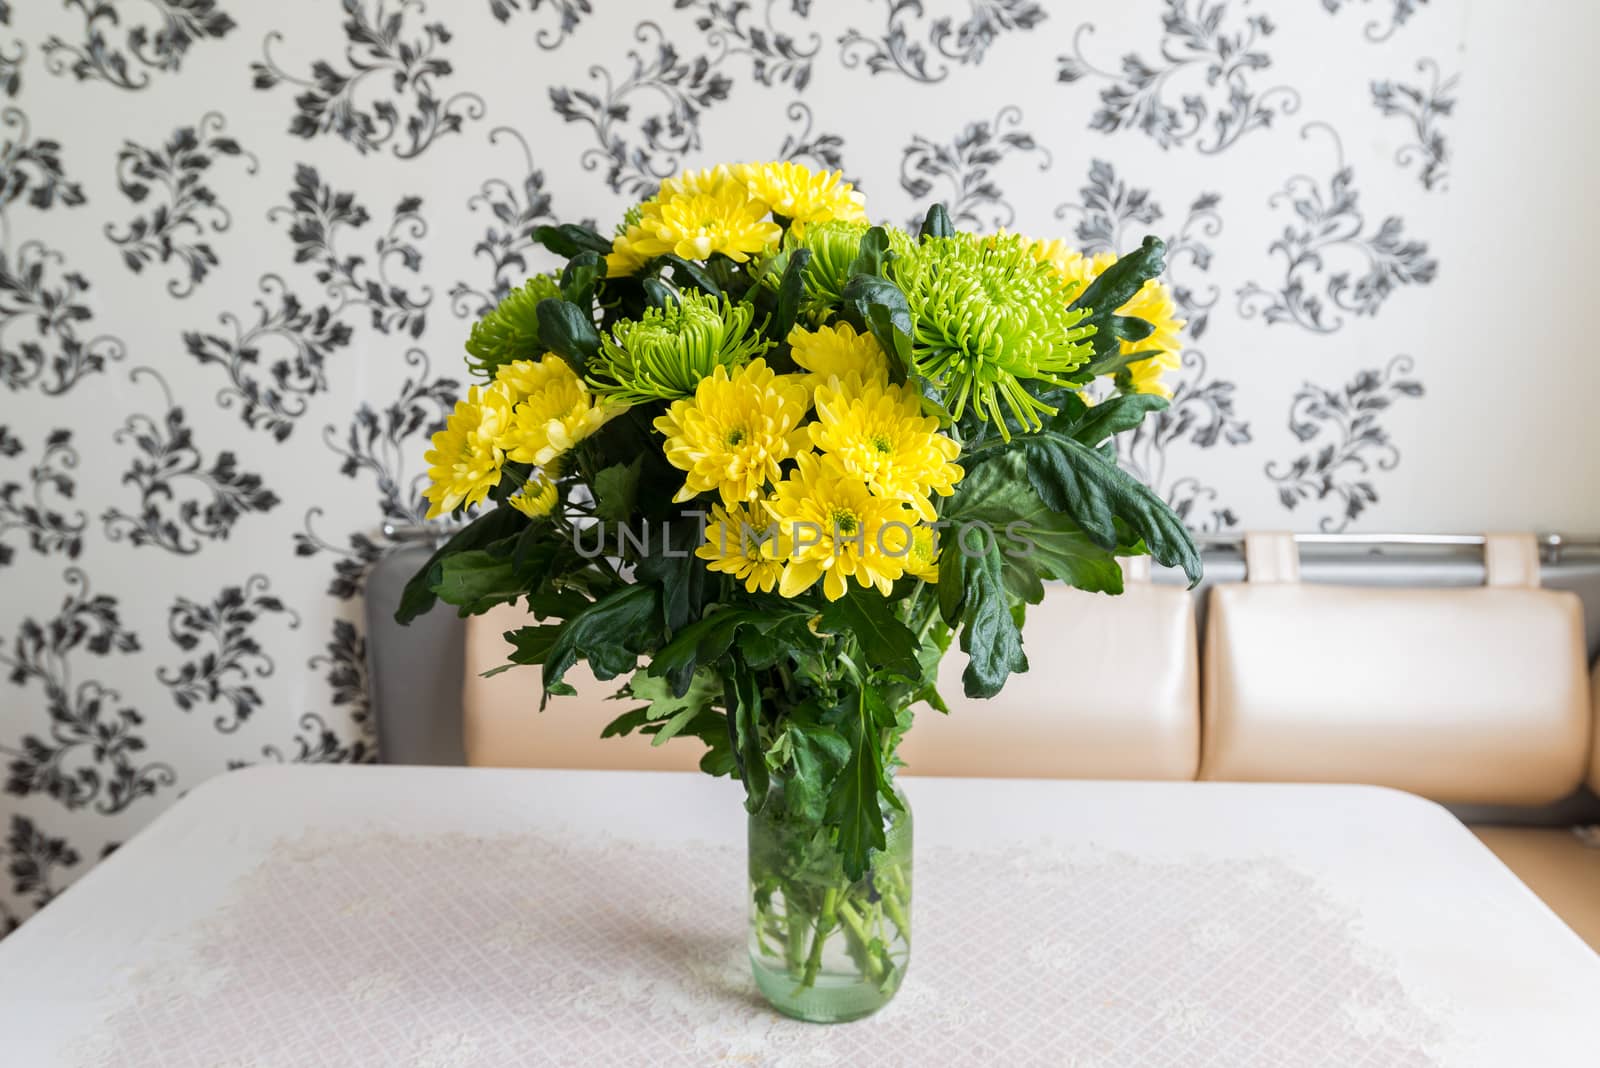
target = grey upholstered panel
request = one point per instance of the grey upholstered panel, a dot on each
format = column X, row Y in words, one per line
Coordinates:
column 416, row 670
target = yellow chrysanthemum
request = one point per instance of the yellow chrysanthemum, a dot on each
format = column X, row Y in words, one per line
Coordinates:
column 707, row 180
column 464, row 463
column 536, row 498
column 923, row 560
column 740, row 542
column 697, row 226
column 830, row 352
column 734, row 432
column 801, row 194
column 832, row 527
column 1152, row 303
column 554, row 409
column 877, row 433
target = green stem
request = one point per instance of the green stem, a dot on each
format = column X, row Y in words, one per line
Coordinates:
column 825, row 922
column 794, row 947
column 856, row 929
column 894, row 896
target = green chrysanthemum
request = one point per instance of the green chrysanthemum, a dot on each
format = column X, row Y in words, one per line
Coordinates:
column 511, row 331
column 834, row 247
column 665, row 353
column 988, row 316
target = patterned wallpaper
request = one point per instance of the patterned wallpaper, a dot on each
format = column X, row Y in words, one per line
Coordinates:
column 240, row 245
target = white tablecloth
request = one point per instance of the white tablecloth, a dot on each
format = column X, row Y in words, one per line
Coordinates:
column 451, row 917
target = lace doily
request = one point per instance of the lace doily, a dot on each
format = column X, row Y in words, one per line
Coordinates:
column 453, row 950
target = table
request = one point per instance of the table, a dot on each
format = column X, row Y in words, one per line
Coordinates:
column 456, row 917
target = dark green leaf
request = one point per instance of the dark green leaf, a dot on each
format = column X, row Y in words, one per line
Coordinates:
column 476, row 581
column 418, row 595
column 568, row 331
column 703, row 642
column 659, row 294
column 742, row 695
column 855, row 804
column 791, row 291
column 1036, row 542
column 671, row 564
column 888, row 643
column 951, row 592
column 530, row 645
column 990, row 635
column 878, row 306
column 626, row 723
column 1117, row 284
column 811, row 754
column 582, row 274
column 569, row 240
column 1111, row 417
column 1071, row 477
column 937, row 224
column 615, row 488
column 611, row 634
column 685, row 272
column 874, row 253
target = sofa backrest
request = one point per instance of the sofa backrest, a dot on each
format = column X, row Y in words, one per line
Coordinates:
column 1594, row 761
column 1461, row 695
column 1112, row 692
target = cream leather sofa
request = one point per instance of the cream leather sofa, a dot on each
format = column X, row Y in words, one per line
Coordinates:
column 1468, row 696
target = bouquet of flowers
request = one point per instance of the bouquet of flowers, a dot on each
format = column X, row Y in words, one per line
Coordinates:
column 764, row 462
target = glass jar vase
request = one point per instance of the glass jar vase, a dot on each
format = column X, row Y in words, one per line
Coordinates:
column 825, row 948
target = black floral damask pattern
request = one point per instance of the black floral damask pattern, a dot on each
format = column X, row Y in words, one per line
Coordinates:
column 568, row 13
column 647, row 121
column 45, row 317
column 32, row 860
column 343, row 664
column 1352, row 444
column 144, row 47
column 317, row 743
column 318, row 216
column 225, row 657
column 1209, row 56
column 899, row 48
column 1200, row 416
column 1328, row 247
column 12, row 53
column 807, row 145
column 183, row 208
column 1424, row 108
column 959, row 174
column 184, row 502
column 516, row 208
column 1113, row 216
column 40, row 507
column 385, row 55
column 1396, row 15
column 275, row 364
column 777, row 57
column 383, row 444
column 31, row 170
column 91, row 754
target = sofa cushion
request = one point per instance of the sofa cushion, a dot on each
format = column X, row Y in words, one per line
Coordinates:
column 503, row 726
column 1562, row 866
column 1594, row 761
column 1122, row 705
column 1460, row 695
